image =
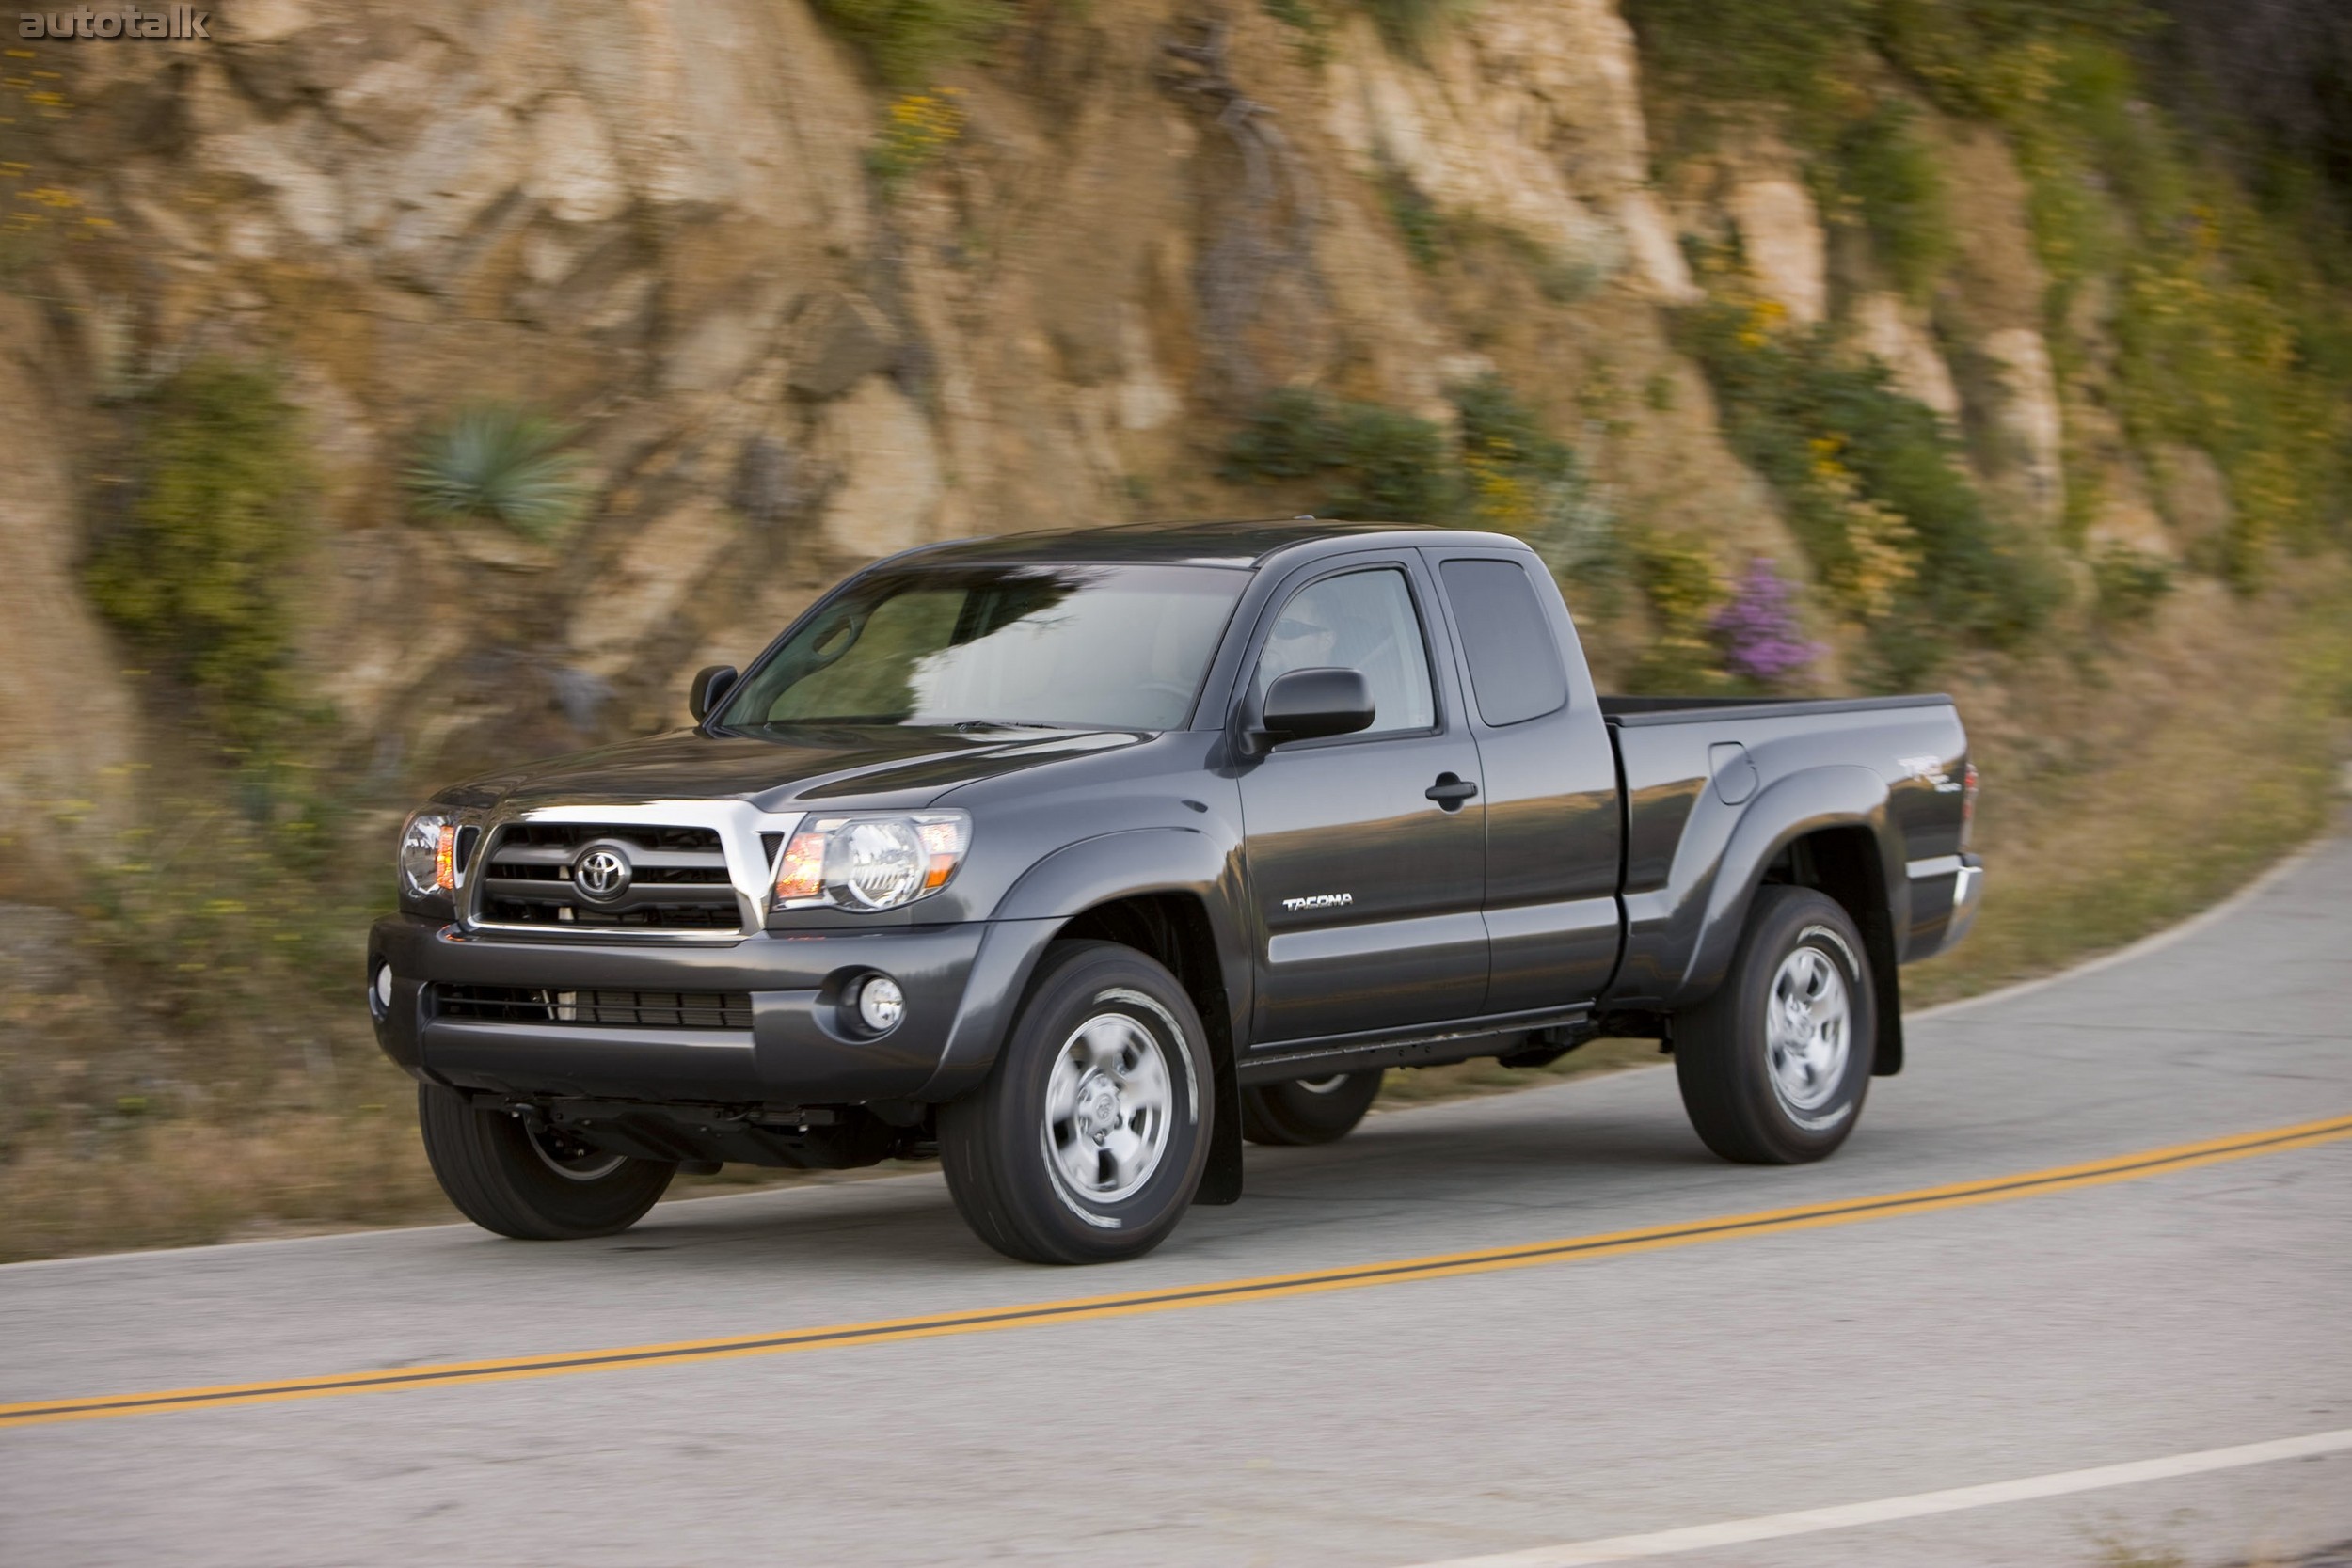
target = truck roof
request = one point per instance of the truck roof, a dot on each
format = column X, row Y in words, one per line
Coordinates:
column 1239, row 542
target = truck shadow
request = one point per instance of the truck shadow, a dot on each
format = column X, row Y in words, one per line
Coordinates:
column 1398, row 1175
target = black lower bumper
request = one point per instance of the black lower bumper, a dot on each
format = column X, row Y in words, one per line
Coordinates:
column 801, row 1047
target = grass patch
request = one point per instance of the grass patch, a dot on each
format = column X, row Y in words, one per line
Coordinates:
column 2108, row 814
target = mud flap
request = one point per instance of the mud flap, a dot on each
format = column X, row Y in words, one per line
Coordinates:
column 1220, row 1183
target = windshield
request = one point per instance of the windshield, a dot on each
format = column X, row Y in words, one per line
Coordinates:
column 1099, row 648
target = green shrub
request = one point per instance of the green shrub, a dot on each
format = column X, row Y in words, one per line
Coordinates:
column 1885, row 169
column 909, row 42
column 1369, row 461
column 2131, row 583
column 496, row 462
column 197, row 573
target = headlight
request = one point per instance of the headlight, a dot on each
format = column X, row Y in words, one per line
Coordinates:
column 428, row 855
column 871, row 863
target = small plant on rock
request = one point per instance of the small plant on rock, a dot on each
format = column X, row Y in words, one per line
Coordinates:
column 497, row 462
column 920, row 128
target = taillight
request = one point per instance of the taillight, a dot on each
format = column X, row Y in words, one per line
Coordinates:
column 1967, row 803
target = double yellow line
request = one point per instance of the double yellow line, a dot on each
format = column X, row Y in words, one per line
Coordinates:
column 2126, row 1167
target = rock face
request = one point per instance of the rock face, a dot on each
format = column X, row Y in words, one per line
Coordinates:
column 67, row 727
column 658, row 222
column 1781, row 236
column 2026, row 417
column 1525, row 113
column 1890, row 330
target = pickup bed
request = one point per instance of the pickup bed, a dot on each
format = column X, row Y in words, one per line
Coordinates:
column 1084, row 857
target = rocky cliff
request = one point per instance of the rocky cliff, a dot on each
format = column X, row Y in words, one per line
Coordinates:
column 664, row 224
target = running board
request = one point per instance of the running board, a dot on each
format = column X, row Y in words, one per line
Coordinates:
column 1421, row 1045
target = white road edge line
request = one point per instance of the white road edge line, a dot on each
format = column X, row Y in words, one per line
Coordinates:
column 1621, row 1548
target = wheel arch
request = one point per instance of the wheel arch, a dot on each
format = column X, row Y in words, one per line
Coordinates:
column 1828, row 828
column 1174, row 928
column 1166, row 892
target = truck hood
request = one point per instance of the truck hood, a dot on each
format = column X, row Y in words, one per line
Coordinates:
column 890, row 766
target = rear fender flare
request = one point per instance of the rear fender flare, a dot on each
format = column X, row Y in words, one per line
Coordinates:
column 1787, row 810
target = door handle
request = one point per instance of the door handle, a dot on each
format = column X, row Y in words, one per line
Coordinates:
column 1450, row 791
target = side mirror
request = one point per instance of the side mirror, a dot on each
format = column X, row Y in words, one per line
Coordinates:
column 1307, row 704
column 710, row 688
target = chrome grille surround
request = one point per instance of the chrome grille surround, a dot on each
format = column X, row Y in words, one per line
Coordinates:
column 675, row 837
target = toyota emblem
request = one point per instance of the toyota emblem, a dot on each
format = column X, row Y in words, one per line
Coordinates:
column 602, row 873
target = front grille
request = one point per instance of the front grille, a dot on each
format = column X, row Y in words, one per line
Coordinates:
column 678, row 881
column 645, row 1009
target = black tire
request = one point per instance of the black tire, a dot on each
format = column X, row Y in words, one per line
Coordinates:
column 1725, row 1051
column 504, row 1179
column 1309, row 1110
column 1009, row 1158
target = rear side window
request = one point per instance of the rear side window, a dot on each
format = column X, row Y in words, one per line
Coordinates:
column 1514, row 661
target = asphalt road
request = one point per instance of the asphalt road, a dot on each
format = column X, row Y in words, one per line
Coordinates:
column 1731, row 1375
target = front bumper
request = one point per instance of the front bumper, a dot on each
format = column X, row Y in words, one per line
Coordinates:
column 799, row 1049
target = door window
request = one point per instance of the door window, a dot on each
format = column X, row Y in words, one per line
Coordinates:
column 1514, row 656
column 1362, row 620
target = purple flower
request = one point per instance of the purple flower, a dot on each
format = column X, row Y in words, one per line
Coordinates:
column 1756, row 628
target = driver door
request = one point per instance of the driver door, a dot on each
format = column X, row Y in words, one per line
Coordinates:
column 1366, row 890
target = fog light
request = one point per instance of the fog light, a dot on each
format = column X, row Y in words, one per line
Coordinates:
column 880, row 1004
column 380, row 990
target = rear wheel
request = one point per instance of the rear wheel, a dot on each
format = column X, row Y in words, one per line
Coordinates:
column 1308, row 1110
column 531, row 1183
column 1774, row 1066
column 1087, row 1141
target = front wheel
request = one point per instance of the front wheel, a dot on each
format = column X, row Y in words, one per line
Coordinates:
column 1308, row 1110
column 532, row 1184
column 1774, row 1066
column 1087, row 1141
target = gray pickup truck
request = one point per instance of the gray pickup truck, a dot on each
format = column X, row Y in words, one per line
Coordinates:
column 1083, row 857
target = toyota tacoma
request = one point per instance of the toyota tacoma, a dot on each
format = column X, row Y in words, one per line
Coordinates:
column 1081, row 858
